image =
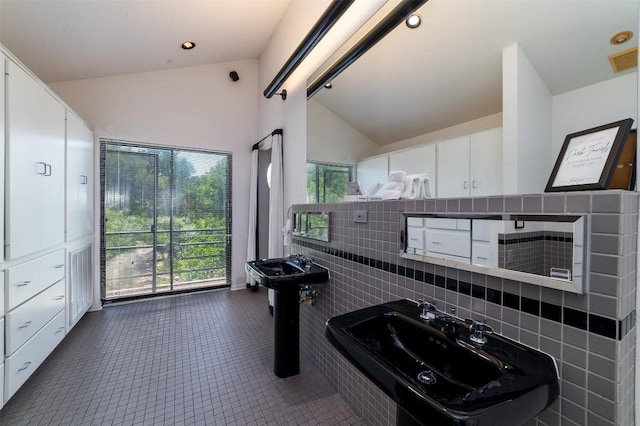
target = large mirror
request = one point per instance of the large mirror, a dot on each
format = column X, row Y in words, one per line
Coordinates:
column 547, row 250
column 445, row 78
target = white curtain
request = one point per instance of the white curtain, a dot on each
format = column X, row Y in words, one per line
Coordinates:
column 276, row 197
column 253, row 210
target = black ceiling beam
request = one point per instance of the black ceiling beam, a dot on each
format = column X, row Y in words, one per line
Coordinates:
column 377, row 33
column 326, row 21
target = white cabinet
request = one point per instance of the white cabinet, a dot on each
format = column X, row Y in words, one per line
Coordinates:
column 470, row 165
column 30, row 278
column 35, row 139
column 420, row 160
column 371, row 171
column 484, row 242
column 24, row 321
column 448, row 238
column 3, row 62
column 21, row 365
column 79, row 162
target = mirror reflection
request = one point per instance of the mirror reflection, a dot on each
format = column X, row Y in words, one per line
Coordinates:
column 545, row 246
column 312, row 225
column 447, row 77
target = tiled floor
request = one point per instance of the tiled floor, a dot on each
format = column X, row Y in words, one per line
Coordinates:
column 198, row 359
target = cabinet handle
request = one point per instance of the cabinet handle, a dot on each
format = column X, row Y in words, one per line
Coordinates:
column 41, row 168
column 482, row 258
column 47, row 170
column 61, row 329
column 59, row 298
column 24, row 283
column 25, row 325
column 85, row 180
column 435, row 242
column 465, row 185
column 59, row 266
column 25, row 366
column 475, row 184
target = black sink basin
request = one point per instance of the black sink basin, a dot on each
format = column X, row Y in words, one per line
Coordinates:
column 440, row 377
column 283, row 272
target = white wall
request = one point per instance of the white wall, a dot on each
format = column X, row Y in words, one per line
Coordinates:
column 331, row 139
column 461, row 129
column 290, row 115
column 193, row 107
column 526, row 106
column 594, row 105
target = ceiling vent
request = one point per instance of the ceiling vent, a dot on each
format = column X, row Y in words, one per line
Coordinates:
column 625, row 60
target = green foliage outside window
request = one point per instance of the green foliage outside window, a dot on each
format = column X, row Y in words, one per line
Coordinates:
column 327, row 183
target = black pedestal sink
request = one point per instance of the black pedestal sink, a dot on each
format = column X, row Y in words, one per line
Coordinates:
column 285, row 276
column 442, row 373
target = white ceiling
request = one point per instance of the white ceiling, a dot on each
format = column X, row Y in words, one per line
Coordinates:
column 62, row 40
column 449, row 70
column 414, row 82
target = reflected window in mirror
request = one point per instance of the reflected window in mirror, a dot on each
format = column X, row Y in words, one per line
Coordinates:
column 326, row 182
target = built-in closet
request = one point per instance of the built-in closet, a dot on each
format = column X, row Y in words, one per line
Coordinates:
column 45, row 269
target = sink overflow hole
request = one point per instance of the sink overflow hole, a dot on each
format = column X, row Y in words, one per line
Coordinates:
column 427, row 377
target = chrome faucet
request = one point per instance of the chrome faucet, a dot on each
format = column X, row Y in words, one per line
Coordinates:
column 428, row 310
column 477, row 330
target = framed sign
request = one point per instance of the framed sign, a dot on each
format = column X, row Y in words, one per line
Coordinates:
column 588, row 158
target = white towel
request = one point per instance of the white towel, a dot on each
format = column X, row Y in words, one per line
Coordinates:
column 392, row 190
column 424, row 190
column 410, row 187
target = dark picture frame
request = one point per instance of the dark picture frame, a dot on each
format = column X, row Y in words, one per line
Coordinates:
column 588, row 158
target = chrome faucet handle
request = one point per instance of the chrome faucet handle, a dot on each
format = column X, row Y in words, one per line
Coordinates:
column 477, row 330
column 428, row 310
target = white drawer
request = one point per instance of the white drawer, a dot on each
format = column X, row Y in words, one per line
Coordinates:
column 30, row 278
column 415, row 221
column 454, row 243
column 484, row 254
column 441, row 223
column 449, row 257
column 415, row 239
column 1, row 293
column 24, row 321
column 1, row 385
column 448, row 223
column 2, row 353
column 21, row 365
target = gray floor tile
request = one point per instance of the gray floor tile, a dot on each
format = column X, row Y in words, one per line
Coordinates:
column 197, row 359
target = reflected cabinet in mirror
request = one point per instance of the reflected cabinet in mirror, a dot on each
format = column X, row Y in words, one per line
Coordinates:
column 312, row 225
column 547, row 250
column 457, row 74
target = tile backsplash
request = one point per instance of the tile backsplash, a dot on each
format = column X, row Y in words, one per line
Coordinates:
column 591, row 336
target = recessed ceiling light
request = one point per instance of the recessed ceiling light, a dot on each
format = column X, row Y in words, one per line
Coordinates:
column 621, row 37
column 188, row 45
column 328, row 86
column 413, row 21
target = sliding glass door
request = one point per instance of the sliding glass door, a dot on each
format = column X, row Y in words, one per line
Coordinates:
column 166, row 220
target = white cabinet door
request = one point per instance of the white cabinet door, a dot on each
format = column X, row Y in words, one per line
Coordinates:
column 35, row 166
column 486, row 162
column 79, row 178
column 3, row 61
column 421, row 160
column 453, row 167
column 371, row 171
column 471, row 165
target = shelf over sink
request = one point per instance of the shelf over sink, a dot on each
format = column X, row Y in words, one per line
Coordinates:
column 440, row 377
column 284, row 272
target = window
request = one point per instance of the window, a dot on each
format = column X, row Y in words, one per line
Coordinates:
column 327, row 183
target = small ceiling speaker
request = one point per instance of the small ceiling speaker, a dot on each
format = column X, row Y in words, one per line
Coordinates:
column 234, row 76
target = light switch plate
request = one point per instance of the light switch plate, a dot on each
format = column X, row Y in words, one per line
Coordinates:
column 360, row 216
